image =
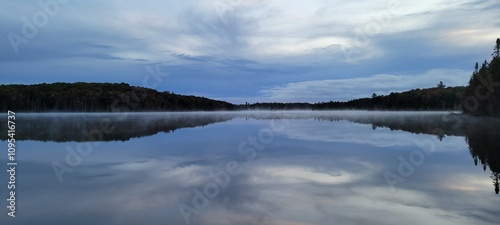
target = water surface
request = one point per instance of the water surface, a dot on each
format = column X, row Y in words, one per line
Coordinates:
column 346, row 167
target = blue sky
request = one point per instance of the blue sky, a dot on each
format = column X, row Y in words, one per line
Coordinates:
column 244, row 50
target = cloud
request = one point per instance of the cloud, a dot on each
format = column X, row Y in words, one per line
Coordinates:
column 251, row 50
column 351, row 88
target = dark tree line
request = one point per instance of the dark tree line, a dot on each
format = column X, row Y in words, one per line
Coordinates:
column 99, row 97
column 482, row 96
column 439, row 98
column 109, row 97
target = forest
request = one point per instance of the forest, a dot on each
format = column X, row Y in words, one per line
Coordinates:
column 108, row 97
column 482, row 95
column 99, row 97
column 437, row 98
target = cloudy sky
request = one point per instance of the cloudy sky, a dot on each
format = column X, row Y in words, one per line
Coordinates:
column 249, row 50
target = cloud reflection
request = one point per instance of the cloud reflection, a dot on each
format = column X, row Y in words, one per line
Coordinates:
column 329, row 175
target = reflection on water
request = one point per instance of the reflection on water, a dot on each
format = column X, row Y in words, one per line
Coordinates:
column 62, row 127
column 484, row 144
column 482, row 134
column 317, row 168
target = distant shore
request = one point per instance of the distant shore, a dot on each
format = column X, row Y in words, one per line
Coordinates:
column 121, row 97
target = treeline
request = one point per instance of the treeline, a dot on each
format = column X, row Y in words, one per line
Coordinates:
column 438, row 98
column 99, row 97
column 482, row 96
column 112, row 97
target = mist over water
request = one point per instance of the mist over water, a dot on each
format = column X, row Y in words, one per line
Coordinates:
column 285, row 167
column 61, row 127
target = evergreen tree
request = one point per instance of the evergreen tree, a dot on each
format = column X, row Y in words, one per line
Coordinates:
column 482, row 95
column 496, row 52
column 441, row 84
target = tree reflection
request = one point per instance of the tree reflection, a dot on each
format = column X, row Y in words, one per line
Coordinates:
column 105, row 127
column 484, row 142
column 481, row 134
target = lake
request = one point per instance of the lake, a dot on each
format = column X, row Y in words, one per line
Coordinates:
column 272, row 168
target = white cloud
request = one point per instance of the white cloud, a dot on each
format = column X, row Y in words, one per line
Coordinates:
column 268, row 29
column 300, row 174
column 271, row 28
column 360, row 87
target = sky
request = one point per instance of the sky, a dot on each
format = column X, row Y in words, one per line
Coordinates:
column 249, row 50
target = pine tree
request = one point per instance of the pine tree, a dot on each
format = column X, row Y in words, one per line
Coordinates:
column 496, row 52
column 441, row 84
column 482, row 95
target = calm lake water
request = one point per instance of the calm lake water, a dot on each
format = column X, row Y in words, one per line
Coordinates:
column 272, row 168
